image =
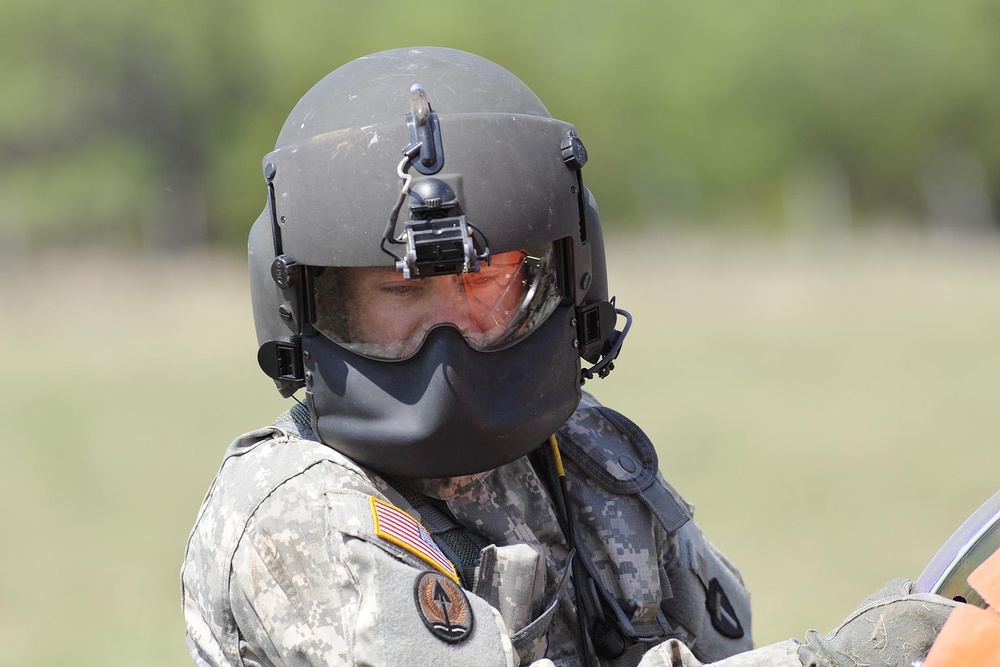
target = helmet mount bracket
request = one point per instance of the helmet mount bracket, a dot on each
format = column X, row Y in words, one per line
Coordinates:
column 439, row 246
column 439, row 239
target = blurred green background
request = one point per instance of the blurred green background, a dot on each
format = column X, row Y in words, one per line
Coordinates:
column 799, row 201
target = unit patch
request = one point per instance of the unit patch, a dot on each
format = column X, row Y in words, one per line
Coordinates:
column 443, row 607
column 396, row 526
column 721, row 611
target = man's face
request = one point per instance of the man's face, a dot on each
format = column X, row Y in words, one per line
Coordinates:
column 393, row 314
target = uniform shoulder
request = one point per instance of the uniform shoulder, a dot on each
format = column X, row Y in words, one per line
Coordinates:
column 270, row 457
column 258, row 463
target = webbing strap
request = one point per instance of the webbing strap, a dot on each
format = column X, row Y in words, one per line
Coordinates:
column 631, row 471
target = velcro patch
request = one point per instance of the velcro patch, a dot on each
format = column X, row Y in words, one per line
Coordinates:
column 443, row 607
column 394, row 525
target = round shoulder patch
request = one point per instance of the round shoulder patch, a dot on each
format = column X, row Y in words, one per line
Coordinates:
column 443, row 607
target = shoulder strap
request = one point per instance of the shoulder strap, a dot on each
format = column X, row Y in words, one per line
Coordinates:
column 616, row 454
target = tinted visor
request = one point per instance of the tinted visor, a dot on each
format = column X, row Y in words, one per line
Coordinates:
column 376, row 312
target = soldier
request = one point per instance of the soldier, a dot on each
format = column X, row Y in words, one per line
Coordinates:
column 429, row 267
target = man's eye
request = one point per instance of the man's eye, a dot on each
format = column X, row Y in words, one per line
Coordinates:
column 404, row 289
column 482, row 279
column 494, row 274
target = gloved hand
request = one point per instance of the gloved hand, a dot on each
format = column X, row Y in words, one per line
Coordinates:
column 892, row 628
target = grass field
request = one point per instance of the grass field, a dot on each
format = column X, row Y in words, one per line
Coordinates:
column 832, row 413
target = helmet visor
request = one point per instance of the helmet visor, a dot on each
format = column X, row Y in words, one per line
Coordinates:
column 376, row 312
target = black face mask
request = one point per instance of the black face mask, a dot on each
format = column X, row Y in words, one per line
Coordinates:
column 449, row 410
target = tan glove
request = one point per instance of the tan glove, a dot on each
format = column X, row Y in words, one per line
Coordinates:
column 892, row 628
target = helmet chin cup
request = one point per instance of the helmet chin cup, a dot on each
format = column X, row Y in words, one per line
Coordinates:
column 449, row 410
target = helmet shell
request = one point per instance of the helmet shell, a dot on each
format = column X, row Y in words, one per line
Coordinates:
column 336, row 160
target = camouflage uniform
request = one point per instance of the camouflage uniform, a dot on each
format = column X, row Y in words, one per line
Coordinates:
column 289, row 561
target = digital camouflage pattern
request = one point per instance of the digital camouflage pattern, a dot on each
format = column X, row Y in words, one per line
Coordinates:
column 284, row 565
column 673, row 653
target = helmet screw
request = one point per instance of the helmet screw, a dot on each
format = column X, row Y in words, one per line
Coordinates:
column 585, row 280
column 576, row 343
column 285, row 312
column 269, row 171
column 306, row 354
column 572, row 322
column 309, row 378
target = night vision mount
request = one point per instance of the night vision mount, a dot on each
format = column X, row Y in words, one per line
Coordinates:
column 439, row 239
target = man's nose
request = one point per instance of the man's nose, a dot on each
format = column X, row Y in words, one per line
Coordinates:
column 451, row 303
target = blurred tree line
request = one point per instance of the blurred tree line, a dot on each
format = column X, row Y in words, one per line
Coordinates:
column 144, row 123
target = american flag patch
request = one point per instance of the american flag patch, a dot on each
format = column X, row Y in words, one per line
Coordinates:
column 396, row 526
